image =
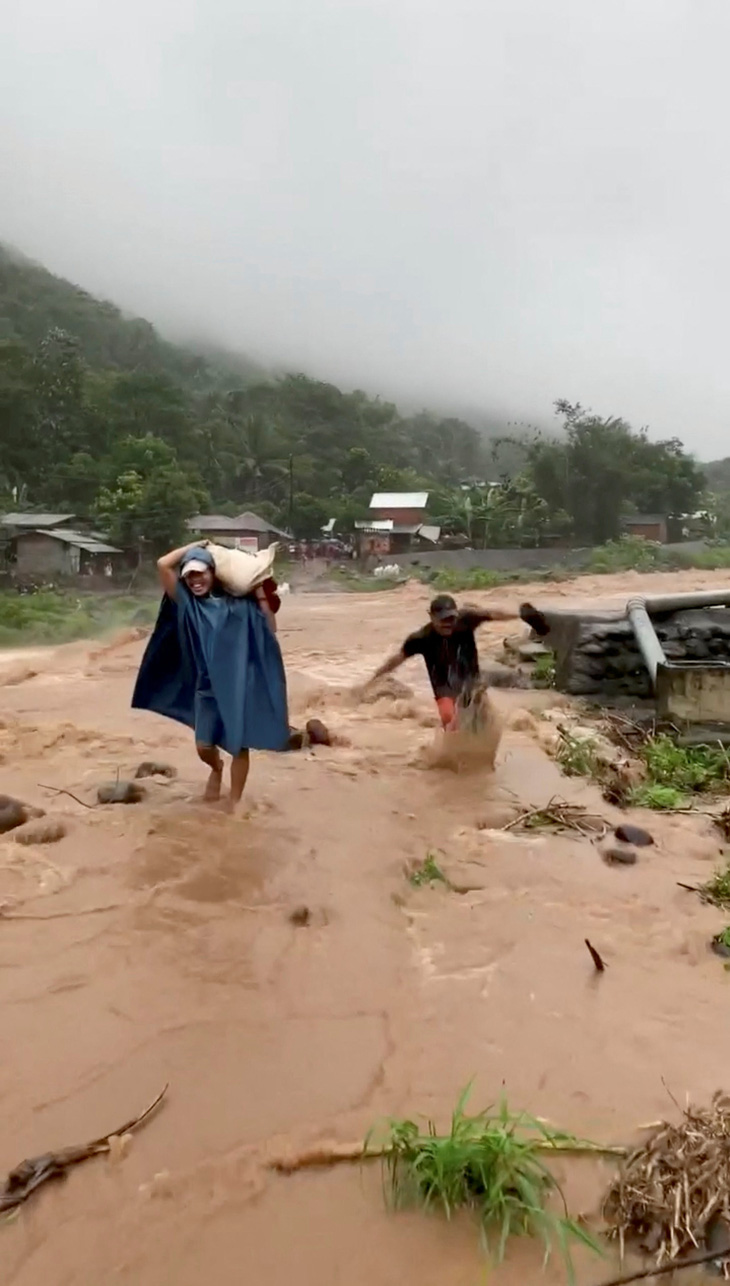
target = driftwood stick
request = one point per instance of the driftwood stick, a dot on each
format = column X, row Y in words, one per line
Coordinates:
column 673, row 1267
column 31, row 1174
column 60, row 790
column 598, row 962
column 320, row 1155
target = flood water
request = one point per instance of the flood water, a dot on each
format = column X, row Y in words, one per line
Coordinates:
column 154, row 944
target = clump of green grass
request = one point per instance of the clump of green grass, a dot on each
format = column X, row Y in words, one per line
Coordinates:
column 543, row 672
column 686, row 768
column 651, row 794
column 472, row 578
column 429, row 872
column 627, row 553
column 577, row 756
column 490, row 1164
column 717, row 890
column 674, row 773
column 723, row 939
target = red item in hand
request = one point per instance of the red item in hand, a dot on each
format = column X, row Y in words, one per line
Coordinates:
column 269, row 587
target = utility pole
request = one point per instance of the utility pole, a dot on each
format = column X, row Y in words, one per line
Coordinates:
column 291, row 491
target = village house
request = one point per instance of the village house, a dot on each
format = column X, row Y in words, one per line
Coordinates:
column 13, row 524
column 44, row 545
column 61, row 552
column 397, row 524
column 647, row 526
column 245, row 531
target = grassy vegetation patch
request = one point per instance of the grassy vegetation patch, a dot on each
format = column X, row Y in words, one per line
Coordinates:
column 673, row 774
column 578, row 756
column 491, row 1164
column 357, row 583
column 429, row 872
column 54, row 617
column 543, row 671
column 686, row 768
column 651, row 794
column 717, row 891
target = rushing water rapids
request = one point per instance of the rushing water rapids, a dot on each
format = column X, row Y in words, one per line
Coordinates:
column 164, row 943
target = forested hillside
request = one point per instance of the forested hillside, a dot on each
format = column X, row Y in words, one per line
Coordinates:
column 717, row 473
column 100, row 415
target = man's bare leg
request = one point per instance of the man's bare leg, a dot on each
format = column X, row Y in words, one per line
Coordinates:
column 239, row 774
column 211, row 756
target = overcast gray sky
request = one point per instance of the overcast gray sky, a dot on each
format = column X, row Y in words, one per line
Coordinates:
column 489, row 203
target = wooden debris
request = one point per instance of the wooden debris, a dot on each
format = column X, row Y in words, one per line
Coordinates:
column 557, row 815
column 670, row 1190
column 329, row 1153
column 58, row 790
column 598, row 962
column 31, row 1174
column 694, row 1261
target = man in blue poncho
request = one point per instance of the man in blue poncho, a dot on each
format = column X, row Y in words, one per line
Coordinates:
column 213, row 663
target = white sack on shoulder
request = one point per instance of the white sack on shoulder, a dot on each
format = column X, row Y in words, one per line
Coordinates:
column 240, row 572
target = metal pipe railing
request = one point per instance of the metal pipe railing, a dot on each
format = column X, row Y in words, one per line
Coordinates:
column 645, row 635
column 680, row 602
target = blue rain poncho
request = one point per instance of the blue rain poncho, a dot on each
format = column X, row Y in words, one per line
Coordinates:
column 214, row 664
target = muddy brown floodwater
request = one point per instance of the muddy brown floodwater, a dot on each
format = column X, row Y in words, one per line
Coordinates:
column 154, row 943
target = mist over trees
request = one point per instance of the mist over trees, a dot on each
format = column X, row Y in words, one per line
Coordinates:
column 100, row 416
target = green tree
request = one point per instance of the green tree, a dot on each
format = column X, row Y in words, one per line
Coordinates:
column 20, row 456
column 308, row 516
column 600, row 470
column 149, row 496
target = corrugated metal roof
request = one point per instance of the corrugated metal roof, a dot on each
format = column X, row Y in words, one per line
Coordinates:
column 35, row 521
column 644, row 520
column 215, row 522
column 79, row 539
column 430, row 533
column 399, row 500
column 375, row 525
column 263, row 524
column 241, row 523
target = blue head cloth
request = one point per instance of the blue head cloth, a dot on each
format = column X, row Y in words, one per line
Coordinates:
column 198, row 555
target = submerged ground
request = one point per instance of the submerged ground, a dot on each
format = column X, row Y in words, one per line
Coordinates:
column 154, row 944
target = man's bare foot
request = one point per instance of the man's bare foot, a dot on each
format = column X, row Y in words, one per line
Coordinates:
column 212, row 791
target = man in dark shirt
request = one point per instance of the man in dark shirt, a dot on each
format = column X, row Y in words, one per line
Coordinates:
column 448, row 647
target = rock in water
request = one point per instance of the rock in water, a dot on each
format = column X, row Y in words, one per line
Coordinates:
column 13, row 812
column 318, row 733
column 120, row 792
column 618, row 854
column 151, row 768
column 300, row 917
column 47, row 830
column 629, row 834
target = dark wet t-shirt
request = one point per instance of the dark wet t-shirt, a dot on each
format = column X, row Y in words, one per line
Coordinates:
column 452, row 660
